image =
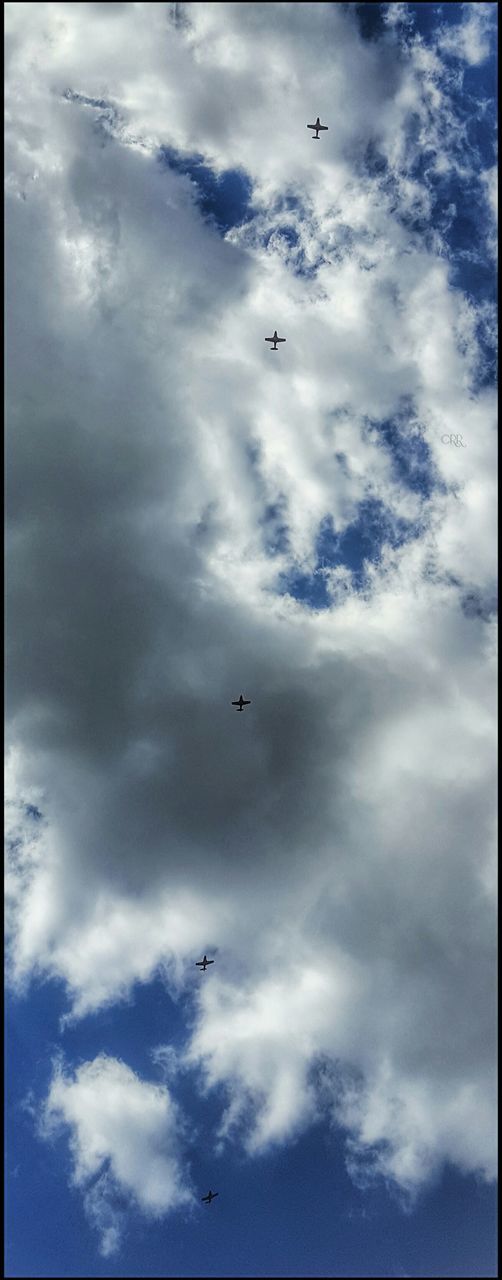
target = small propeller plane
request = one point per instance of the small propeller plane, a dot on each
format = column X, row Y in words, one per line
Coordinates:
column 202, row 964
column 211, row 1195
column 242, row 702
column 317, row 126
column 275, row 340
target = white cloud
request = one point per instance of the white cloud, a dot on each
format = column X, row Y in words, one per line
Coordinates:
column 404, row 1129
column 490, row 178
column 470, row 39
column 492, row 189
column 335, row 842
column 124, row 1141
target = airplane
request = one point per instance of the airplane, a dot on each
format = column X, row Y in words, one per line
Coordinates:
column 204, row 963
column 317, row 126
column 275, row 339
column 242, row 702
column 210, row 1196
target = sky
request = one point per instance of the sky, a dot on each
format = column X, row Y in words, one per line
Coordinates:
column 189, row 516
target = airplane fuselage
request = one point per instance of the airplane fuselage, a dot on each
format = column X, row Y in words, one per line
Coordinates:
column 275, row 339
column 317, row 126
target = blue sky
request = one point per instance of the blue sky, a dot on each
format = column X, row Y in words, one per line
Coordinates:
column 189, row 516
column 288, row 1213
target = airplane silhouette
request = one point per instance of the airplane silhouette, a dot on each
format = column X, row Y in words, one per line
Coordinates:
column 211, row 1195
column 317, row 126
column 204, row 963
column 275, row 340
column 242, row 702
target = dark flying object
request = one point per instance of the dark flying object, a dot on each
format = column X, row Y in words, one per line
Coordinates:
column 243, row 702
column 275, row 340
column 211, row 1195
column 204, row 963
column 317, row 126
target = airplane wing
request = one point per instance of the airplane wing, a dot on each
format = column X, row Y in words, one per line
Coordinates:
column 209, row 961
column 311, row 126
column 270, row 339
column 323, row 126
column 246, row 703
column 280, row 339
column 235, row 704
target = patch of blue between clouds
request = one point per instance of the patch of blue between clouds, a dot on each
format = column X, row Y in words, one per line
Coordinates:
column 360, row 543
column 459, row 212
column 289, row 202
column 33, row 812
column 370, row 19
column 224, row 199
column 426, row 17
column 286, row 237
column 409, row 453
column 276, row 532
column 374, row 525
column 459, row 208
column 475, row 605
